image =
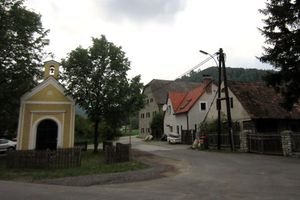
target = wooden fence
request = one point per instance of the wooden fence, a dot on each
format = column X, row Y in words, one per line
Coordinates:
column 265, row 143
column 83, row 145
column 118, row 153
column 225, row 140
column 60, row 158
column 187, row 136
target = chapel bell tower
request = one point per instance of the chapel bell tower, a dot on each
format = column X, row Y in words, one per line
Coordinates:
column 51, row 69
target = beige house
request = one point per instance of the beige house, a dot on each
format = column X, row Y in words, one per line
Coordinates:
column 256, row 107
column 156, row 92
column 47, row 115
column 186, row 110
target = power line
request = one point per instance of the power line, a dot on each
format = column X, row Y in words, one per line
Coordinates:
column 187, row 72
column 195, row 67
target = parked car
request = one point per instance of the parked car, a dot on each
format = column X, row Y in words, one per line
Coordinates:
column 173, row 138
column 6, row 145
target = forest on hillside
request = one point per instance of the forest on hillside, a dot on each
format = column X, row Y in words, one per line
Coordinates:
column 235, row 74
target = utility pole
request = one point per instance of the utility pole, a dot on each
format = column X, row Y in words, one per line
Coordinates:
column 229, row 120
column 222, row 72
column 219, row 99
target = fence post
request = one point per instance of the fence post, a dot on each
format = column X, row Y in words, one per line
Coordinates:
column 122, row 152
column 286, row 143
column 244, row 141
column 110, row 154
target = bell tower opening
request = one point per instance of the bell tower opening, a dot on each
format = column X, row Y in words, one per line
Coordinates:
column 51, row 69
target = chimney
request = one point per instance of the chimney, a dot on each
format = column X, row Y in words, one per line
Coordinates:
column 207, row 80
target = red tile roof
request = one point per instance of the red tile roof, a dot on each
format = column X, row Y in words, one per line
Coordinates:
column 182, row 102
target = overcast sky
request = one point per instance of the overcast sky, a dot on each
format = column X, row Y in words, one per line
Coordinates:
column 161, row 38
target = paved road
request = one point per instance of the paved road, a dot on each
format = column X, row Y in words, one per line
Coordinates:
column 204, row 175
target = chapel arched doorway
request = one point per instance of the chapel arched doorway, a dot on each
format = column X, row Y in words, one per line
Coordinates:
column 46, row 135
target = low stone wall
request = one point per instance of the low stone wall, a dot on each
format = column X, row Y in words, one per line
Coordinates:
column 286, row 142
column 244, row 141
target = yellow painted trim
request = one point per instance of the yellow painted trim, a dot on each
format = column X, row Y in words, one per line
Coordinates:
column 20, row 126
column 72, row 126
column 49, row 102
column 47, row 111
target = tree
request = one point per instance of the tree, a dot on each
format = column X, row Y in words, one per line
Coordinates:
column 96, row 78
column 21, row 52
column 83, row 127
column 282, row 48
column 157, row 125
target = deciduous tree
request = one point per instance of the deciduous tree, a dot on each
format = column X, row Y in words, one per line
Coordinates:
column 21, row 51
column 96, row 77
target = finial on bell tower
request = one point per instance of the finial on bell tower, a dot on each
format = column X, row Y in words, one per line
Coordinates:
column 51, row 69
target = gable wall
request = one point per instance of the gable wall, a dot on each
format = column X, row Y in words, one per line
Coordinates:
column 196, row 116
column 174, row 120
column 49, row 93
column 238, row 113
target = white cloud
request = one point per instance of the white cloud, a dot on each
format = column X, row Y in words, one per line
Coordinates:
column 160, row 42
column 141, row 11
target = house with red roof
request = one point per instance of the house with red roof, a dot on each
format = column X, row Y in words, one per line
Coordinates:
column 156, row 92
column 186, row 110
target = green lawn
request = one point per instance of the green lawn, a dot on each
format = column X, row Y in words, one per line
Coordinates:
column 91, row 164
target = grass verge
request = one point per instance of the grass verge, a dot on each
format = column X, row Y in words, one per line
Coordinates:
column 90, row 164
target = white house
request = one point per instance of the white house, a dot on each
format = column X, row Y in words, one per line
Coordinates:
column 186, row 110
column 156, row 93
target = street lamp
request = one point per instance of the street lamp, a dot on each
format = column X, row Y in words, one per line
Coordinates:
column 229, row 120
column 212, row 56
column 218, row 102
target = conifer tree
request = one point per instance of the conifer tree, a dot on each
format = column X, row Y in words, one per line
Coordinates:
column 282, row 47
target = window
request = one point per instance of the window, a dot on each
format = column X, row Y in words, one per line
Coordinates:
column 142, row 130
column 202, row 106
column 178, row 129
column 231, row 102
column 171, row 128
column 148, row 130
column 148, row 115
column 142, row 115
column 169, row 110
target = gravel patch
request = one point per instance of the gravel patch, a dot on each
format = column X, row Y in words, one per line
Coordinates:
column 159, row 167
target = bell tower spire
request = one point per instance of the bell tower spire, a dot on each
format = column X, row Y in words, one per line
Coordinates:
column 51, row 69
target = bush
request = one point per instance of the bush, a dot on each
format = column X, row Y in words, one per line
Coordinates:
column 157, row 125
